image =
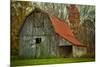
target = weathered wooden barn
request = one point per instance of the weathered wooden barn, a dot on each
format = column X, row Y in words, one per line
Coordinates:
column 42, row 35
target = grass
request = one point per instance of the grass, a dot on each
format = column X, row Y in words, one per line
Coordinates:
column 23, row 62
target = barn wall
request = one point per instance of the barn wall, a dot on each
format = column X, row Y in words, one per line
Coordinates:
column 25, row 46
column 38, row 25
column 79, row 51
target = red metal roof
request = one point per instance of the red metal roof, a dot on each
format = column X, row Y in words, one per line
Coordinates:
column 64, row 31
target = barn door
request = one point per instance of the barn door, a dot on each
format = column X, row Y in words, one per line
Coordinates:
column 65, row 51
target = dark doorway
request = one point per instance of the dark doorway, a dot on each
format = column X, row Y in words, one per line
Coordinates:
column 65, row 51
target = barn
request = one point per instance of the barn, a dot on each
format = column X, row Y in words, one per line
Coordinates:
column 43, row 35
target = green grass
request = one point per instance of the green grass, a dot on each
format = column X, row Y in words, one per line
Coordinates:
column 23, row 62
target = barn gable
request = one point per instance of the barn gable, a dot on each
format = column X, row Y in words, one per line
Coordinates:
column 37, row 35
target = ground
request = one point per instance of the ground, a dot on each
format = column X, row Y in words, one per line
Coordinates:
column 23, row 62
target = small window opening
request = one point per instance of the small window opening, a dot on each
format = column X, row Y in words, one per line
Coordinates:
column 38, row 40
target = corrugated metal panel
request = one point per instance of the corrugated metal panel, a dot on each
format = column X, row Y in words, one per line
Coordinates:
column 64, row 31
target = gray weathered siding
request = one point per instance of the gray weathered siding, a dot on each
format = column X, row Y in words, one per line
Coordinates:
column 79, row 51
column 38, row 25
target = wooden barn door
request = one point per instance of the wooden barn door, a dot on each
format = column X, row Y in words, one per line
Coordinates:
column 65, row 51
